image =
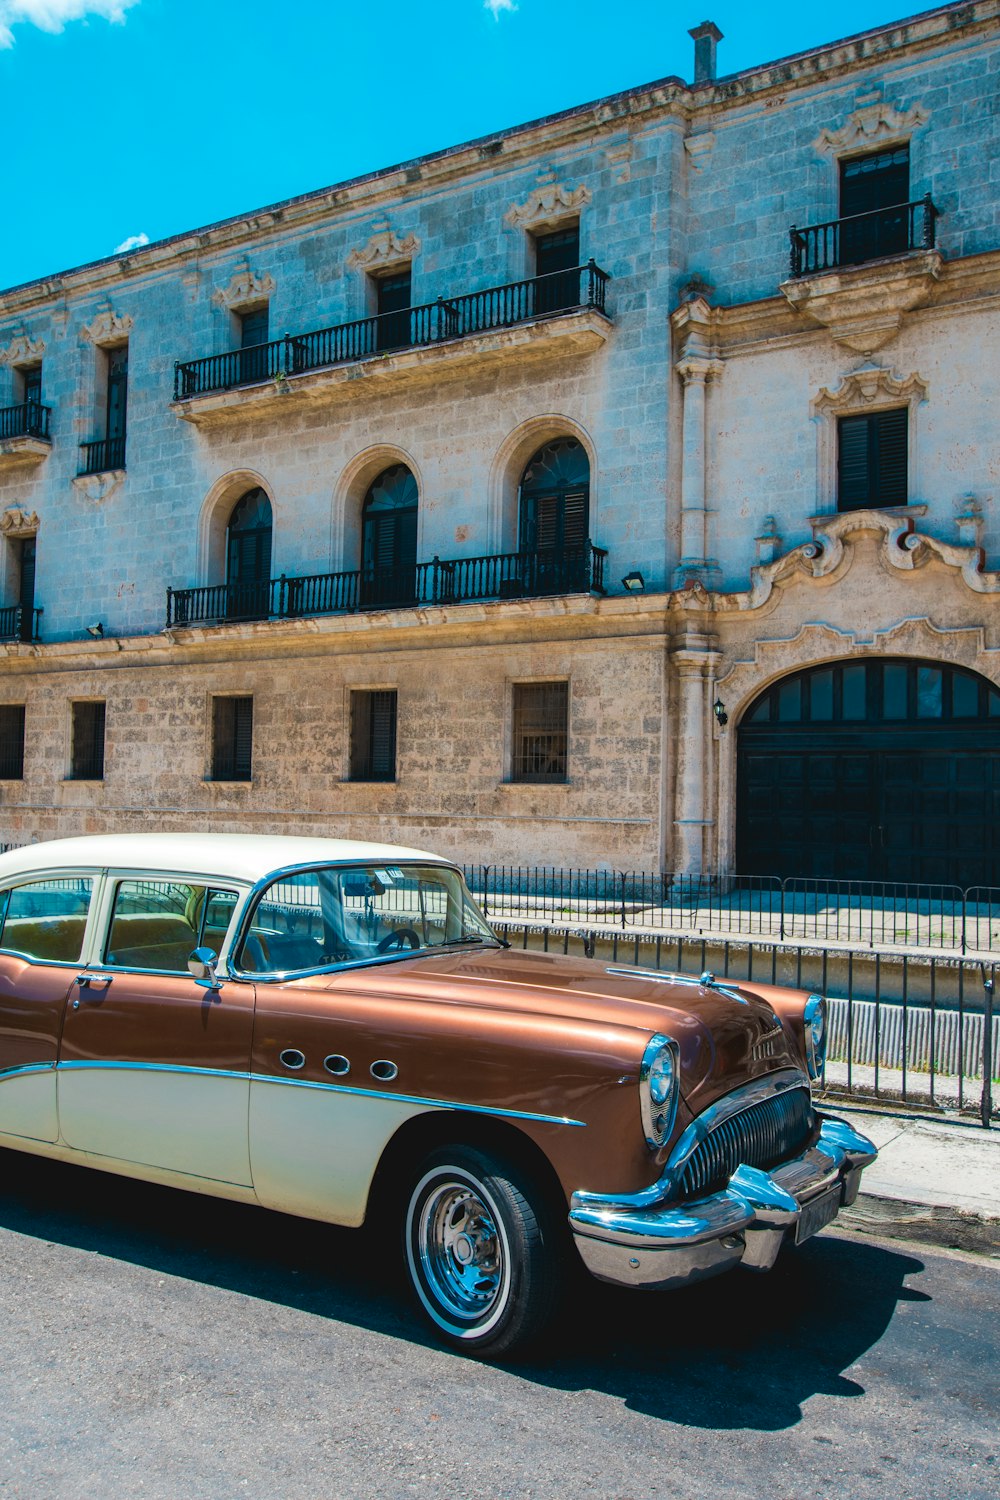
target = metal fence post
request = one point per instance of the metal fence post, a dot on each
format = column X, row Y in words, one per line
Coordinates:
column 986, row 1101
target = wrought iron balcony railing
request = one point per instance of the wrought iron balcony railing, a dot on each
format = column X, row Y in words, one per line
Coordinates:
column 509, row 575
column 28, row 419
column 413, row 328
column 100, row 457
column 849, row 242
column 19, row 624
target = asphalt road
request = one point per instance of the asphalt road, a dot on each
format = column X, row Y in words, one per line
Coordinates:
column 161, row 1345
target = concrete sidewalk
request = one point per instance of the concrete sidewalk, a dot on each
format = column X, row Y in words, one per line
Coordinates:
column 935, row 1180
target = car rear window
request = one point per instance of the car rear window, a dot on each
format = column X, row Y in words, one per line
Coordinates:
column 46, row 919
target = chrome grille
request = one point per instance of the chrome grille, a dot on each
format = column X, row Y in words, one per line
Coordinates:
column 759, row 1136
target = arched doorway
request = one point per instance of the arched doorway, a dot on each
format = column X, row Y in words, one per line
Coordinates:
column 248, row 558
column 389, row 538
column 554, row 517
column 884, row 769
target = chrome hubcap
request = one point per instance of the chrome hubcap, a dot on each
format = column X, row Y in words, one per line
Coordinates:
column 460, row 1250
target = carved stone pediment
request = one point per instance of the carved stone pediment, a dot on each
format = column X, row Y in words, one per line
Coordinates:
column 108, row 327
column 863, row 306
column 16, row 522
column 386, row 248
column 22, row 351
column 871, row 386
column 548, row 204
column 875, row 125
column 244, row 289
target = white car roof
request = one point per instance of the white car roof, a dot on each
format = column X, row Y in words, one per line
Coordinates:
column 229, row 856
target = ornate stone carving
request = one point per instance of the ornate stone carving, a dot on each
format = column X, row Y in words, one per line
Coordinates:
column 871, row 386
column 15, row 521
column 244, row 288
column 99, row 487
column 698, row 146
column 863, row 306
column 22, row 351
column 108, row 327
column 386, row 248
column 547, row 204
column 871, row 126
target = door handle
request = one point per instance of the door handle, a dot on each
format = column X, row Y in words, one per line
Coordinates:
column 84, row 980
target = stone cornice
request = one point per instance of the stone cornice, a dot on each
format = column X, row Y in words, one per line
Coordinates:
column 659, row 100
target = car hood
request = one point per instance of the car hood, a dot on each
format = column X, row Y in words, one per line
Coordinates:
column 726, row 1035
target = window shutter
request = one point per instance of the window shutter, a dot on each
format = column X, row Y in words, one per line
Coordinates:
column 891, row 457
column 242, row 738
column 879, row 180
column 12, row 741
column 575, row 521
column 852, row 463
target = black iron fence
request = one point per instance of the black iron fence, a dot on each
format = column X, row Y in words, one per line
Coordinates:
column 411, row 328
column 920, row 1031
column 509, row 575
column 28, row 419
column 851, row 913
column 19, row 624
column 100, row 457
column 849, row 242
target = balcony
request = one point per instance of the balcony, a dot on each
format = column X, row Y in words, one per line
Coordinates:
column 102, row 457
column 19, row 624
column 857, row 277
column 24, row 432
column 851, row 242
column 565, row 308
column 510, row 575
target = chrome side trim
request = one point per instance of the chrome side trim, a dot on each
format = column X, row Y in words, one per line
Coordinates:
column 26, row 1068
column 335, row 1088
column 768, row 1087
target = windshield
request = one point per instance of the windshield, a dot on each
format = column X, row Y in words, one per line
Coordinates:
column 353, row 913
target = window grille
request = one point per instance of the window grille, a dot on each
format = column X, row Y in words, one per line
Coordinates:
column 87, row 754
column 232, row 739
column 11, row 741
column 541, row 717
column 373, row 736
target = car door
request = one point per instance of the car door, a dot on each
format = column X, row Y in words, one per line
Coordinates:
column 153, row 1067
column 44, row 922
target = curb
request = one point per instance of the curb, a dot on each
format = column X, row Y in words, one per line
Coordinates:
column 897, row 1218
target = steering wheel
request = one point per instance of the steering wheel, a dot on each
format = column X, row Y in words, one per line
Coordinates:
column 397, row 938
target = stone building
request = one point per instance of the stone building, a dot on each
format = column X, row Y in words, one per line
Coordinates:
column 617, row 490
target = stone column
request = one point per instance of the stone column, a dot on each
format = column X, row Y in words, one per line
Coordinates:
column 695, row 671
column 696, row 367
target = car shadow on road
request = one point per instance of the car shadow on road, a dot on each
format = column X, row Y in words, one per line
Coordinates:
column 742, row 1351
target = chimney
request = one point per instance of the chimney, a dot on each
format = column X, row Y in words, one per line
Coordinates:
column 705, row 38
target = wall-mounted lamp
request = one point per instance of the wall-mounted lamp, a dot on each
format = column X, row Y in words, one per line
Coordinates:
column 97, row 631
column 634, row 582
column 719, row 710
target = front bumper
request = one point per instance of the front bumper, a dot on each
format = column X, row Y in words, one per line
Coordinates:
column 656, row 1246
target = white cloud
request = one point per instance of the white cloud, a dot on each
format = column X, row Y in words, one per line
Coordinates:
column 52, row 15
column 496, row 6
column 134, row 242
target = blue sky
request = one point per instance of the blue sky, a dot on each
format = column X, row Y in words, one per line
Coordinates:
column 149, row 117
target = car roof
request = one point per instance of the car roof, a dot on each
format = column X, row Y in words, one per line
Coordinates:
column 231, row 856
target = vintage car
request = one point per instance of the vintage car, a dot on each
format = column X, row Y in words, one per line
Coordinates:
column 331, row 1029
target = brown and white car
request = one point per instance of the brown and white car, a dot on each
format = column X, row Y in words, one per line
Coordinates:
column 331, row 1029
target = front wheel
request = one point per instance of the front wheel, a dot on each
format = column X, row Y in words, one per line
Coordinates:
column 481, row 1251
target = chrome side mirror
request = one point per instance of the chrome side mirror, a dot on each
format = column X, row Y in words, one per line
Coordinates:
column 202, row 966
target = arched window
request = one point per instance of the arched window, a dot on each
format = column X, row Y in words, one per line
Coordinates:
column 554, row 517
column 389, row 538
column 248, row 558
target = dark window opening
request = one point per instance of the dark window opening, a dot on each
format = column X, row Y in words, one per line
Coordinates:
column 87, row 753
column 253, row 334
column 11, row 741
column 393, row 299
column 248, row 558
column 541, row 724
column 31, row 386
column 373, row 736
column 557, row 258
column 554, row 516
column 874, row 192
column 389, row 538
column 232, row 739
column 25, row 557
column 872, row 460
column 117, row 394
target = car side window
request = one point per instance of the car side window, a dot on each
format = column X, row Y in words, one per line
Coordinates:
column 156, row 924
column 46, row 919
column 287, row 931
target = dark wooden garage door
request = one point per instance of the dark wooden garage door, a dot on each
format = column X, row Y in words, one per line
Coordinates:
column 877, row 770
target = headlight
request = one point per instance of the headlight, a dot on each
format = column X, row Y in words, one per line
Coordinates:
column 814, row 1020
column 658, row 1089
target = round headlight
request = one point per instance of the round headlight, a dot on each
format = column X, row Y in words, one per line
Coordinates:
column 814, row 1020
column 658, row 1089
